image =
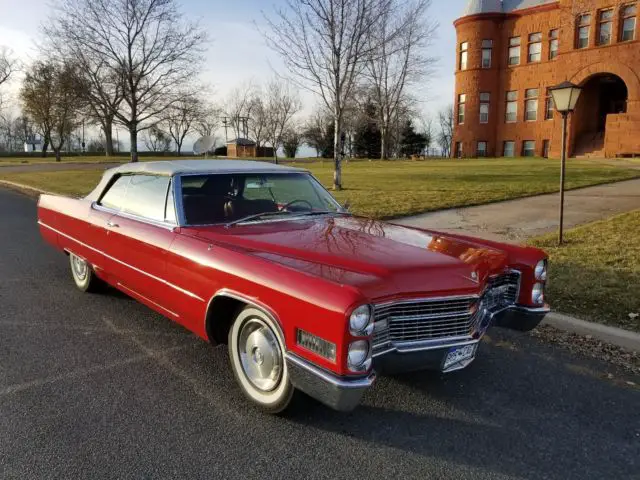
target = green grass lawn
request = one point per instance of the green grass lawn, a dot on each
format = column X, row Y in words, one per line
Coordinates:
column 385, row 189
column 596, row 275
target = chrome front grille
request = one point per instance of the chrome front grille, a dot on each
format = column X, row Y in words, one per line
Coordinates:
column 419, row 320
column 423, row 320
column 502, row 290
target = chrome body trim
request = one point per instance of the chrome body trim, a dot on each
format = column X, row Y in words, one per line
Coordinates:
column 133, row 292
column 338, row 392
column 158, row 279
column 166, row 225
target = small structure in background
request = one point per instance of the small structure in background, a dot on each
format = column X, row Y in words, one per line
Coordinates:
column 33, row 143
column 245, row 148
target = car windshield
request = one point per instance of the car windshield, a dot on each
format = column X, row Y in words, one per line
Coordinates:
column 228, row 198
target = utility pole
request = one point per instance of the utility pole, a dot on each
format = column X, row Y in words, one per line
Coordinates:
column 225, row 122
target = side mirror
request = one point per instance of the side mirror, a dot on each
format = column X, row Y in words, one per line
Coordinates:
column 347, row 206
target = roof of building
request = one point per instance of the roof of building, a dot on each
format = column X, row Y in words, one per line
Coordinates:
column 500, row 6
column 172, row 167
column 245, row 142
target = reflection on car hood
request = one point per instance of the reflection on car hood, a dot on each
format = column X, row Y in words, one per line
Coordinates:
column 380, row 258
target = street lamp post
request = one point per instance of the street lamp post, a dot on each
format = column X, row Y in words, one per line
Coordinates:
column 565, row 96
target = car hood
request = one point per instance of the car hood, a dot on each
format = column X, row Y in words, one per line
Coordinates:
column 379, row 258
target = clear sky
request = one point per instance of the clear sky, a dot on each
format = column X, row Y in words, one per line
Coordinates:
column 237, row 52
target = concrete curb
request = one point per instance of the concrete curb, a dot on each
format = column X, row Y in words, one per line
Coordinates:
column 26, row 189
column 616, row 336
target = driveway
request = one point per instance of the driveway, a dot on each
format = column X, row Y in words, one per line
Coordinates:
column 516, row 220
column 98, row 386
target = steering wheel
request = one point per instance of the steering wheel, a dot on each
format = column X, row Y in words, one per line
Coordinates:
column 292, row 202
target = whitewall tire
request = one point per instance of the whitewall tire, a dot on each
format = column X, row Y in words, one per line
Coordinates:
column 257, row 354
column 83, row 274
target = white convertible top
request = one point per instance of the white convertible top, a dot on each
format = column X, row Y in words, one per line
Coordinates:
column 173, row 167
column 176, row 167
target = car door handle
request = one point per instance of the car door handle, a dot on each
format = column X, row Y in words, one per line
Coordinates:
column 112, row 225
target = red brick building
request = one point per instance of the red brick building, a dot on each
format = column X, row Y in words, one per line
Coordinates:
column 510, row 52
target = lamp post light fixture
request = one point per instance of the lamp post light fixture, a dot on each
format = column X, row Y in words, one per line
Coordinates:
column 565, row 96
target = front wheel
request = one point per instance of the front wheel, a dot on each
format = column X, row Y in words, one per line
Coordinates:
column 83, row 274
column 256, row 351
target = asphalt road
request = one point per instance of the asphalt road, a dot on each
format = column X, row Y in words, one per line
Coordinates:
column 98, row 386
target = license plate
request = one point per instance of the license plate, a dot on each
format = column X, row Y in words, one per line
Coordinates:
column 459, row 354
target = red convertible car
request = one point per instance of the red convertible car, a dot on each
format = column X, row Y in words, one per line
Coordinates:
column 307, row 296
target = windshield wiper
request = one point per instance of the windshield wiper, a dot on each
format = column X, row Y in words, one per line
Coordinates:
column 257, row 215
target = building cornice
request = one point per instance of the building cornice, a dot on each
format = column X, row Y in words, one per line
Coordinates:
column 501, row 15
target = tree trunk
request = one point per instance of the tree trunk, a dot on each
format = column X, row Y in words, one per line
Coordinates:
column 384, row 143
column 45, row 147
column 107, row 127
column 133, row 135
column 337, row 159
column 58, row 156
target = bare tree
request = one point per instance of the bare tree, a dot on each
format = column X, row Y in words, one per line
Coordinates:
column 181, row 117
column 291, row 141
column 146, row 46
column 426, row 129
column 282, row 104
column 445, row 135
column 316, row 132
column 403, row 35
column 49, row 96
column 8, row 64
column 156, row 140
column 209, row 120
column 326, row 44
column 258, row 119
column 238, row 107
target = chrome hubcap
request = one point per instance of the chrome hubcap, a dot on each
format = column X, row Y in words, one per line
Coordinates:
column 80, row 268
column 260, row 355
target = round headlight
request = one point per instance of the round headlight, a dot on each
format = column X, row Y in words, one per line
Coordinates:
column 358, row 358
column 537, row 294
column 361, row 321
column 541, row 270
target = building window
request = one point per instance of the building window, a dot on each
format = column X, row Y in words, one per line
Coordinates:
column 458, row 150
column 485, row 100
column 605, row 27
column 487, row 47
column 584, row 24
column 628, row 23
column 553, row 43
column 548, row 106
column 529, row 148
column 511, row 113
column 464, row 46
column 531, row 104
column 509, row 148
column 514, row 51
column 535, row 48
column 545, row 148
column 482, row 149
column 462, row 99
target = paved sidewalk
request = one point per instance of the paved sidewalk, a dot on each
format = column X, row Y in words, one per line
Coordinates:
column 516, row 220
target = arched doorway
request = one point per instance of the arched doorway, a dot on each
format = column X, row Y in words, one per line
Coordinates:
column 602, row 94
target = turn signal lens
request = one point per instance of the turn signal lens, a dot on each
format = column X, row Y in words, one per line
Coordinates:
column 541, row 270
column 537, row 294
column 359, row 356
column 361, row 321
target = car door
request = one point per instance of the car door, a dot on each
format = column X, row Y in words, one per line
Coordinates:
column 138, row 238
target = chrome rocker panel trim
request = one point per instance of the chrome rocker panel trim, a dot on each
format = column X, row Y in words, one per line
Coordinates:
column 339, row 393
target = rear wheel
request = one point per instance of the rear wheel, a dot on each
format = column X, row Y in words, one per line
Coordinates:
column 256, row 351
column 83, row 274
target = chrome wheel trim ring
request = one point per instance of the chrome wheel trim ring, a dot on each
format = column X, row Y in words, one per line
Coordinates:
column 260, row 355
column 80, row 268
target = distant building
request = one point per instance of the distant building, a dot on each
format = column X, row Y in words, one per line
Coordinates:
column 510, row 52
column 33, row 143
column 245, row 148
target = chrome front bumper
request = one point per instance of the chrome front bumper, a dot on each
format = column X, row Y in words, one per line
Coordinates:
column 344, row 393
column 339, row 393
